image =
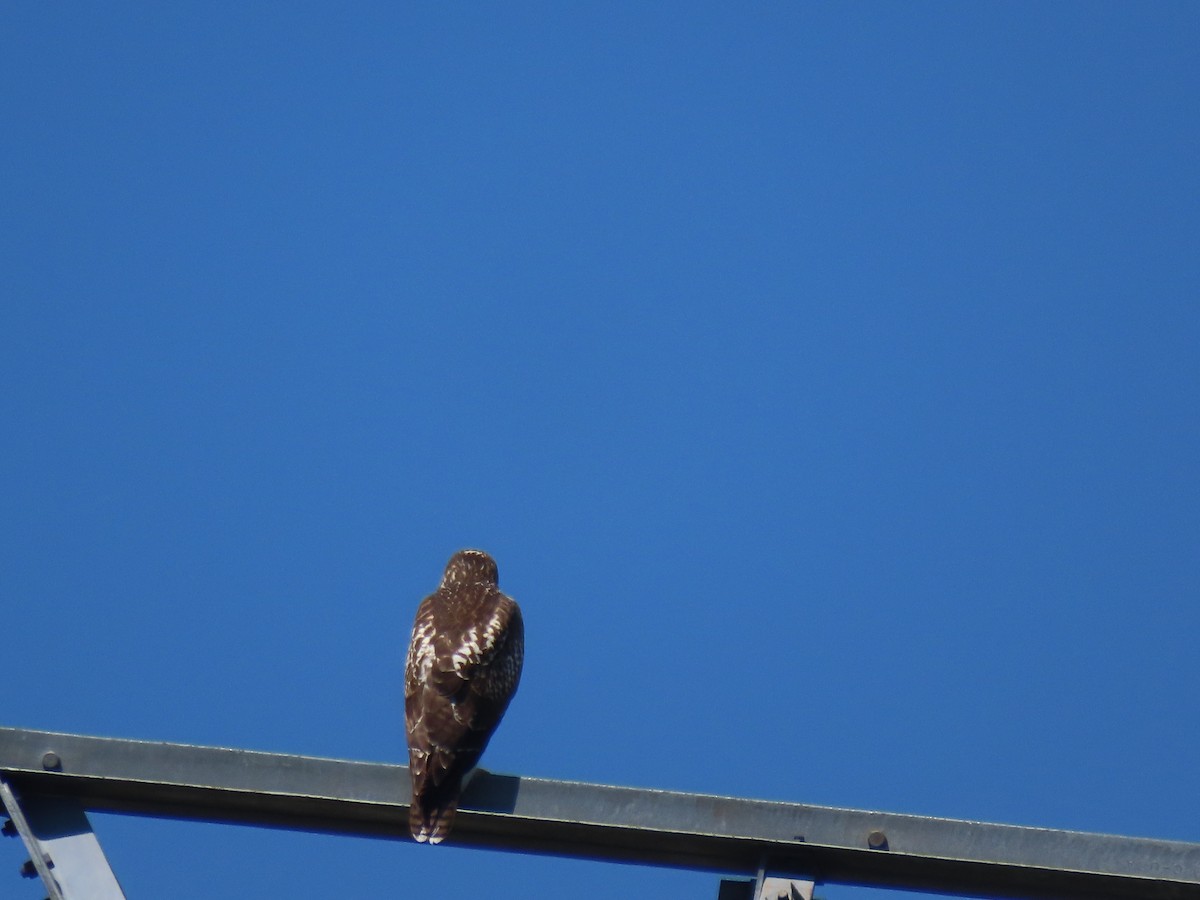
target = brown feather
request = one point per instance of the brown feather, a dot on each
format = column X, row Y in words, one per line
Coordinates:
column 464, row 665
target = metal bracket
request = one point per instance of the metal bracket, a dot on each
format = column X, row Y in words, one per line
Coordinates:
column 786, row 889
column 766, row 889
column 63, row 849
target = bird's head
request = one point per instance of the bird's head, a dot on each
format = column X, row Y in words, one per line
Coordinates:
column 470, row 567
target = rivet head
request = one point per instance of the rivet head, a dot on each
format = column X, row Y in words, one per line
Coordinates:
column 877, row 840
column 51, row 762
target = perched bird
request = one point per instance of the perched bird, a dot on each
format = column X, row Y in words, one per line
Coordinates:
column 464, row 663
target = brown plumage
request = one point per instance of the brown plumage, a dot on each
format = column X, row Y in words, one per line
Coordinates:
column 464, row 663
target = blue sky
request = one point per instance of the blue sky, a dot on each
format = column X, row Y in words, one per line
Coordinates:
column 823, row 377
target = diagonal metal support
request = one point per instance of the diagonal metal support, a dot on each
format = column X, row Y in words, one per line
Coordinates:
column 39, row 860
column 63, row 850
column 667, row 828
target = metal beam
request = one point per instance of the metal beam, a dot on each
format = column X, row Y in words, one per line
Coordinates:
column 63, row 849
column 39, row 862
column 696, row 831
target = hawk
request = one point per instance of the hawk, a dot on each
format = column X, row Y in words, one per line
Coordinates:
column 464, row 663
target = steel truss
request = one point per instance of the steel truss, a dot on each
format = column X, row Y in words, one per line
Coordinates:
column 47, row 780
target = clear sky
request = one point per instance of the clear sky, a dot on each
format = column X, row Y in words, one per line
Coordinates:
column 824, row 378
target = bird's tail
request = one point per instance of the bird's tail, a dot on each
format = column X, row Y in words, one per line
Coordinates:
column 429, row 822
column 435, row 792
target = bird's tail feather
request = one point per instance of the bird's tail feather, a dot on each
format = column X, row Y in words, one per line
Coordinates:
column 437, row 783
column 431, row 824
